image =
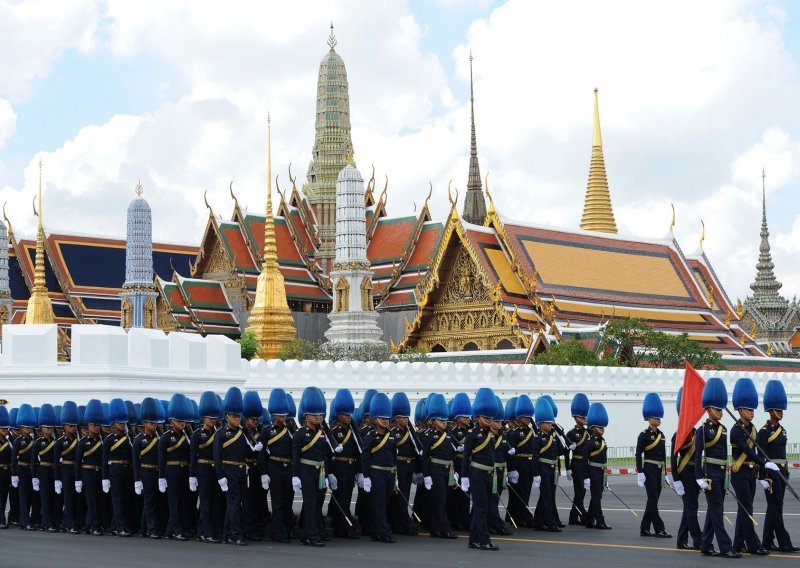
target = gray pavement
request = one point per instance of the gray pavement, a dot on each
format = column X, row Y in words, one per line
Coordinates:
column 574, row 547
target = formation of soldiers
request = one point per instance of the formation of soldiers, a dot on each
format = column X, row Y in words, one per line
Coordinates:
column 229, row 470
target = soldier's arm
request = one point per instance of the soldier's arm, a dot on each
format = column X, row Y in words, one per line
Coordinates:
column 106, row 453
column 218, row 441
column 57, row 460
column 297, row 441
column 162, row 457
column 468, row 443
column 34, row 459
column 673, row 457
column 699, row 443
column 14, row 456
column 194, row 448
column 137, row 462
column 640, row 445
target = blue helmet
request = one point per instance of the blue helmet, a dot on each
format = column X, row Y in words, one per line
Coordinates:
column 195, row 411
column 313, row 401
column 266, row 419
column 580, row 405
column 552, row 402
column 485, row 403
column 82, row 415
column 343, row 403
column 597, row 415
column 26, row 416
column 57, row 410
column 5, row 419
column 93, row 413
column 358, row 415
column 437, row 408
column 401, row 405
column 461, row 405
column 180, row 408
column 652, row 407
column 510, row 411
column 450, row 416
column 524, row 407
column 150, row 410
column 137, row 407
column 36, row 414
column 292, row 406
column 744, row 394
column 133, row 417
column 380, row 406
column 12, row 417
column 278, row 403
column 233, row 401
column 500, row 409
column 209, row 405
column 117, row 411
column 774, row 396
column 106, row 414
column 420, row 410
column 164, row 405
column 367, row 400
column 543, row 411
column 47, row 416
column 252, row 406
column 715, row 395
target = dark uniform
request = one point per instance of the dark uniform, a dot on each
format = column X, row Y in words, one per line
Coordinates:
column 651, row 456
column 278, row 443
column 173, row 465
column 407, row 465
column 310, row 462
column 772, row 438
column 744, row 474
column 43, row 456
column 117, row 455
column 521, row 440
column 711, row 461
column 378, row 464
column 5, row 479
column 88, row 469
column 496, row 523
column 546, row 451
column 595, row 456
column 230, row 452
column 438, row 453
column 201, row 467
column 21, row 456
column 345, row 466
column 478, row 467
column 65, row 472
column 682, row 464
column 577, row 466
column 145, row 470
column 457, row 500
column 255, row 508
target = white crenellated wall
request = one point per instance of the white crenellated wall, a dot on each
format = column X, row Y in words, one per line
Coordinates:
column 108, row 362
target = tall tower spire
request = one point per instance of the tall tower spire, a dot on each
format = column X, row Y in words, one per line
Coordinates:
column 270, row 319
column 597, row 212
column 332, row 146
column 138, row 296
column 474, row 202
column 765, row 287
column 40, row 309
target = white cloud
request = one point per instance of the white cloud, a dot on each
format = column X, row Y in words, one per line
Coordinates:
column 8, row 121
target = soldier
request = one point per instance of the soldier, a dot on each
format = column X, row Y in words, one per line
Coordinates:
column 173, row 464
column 576, row 438
column 496, row 524
column 364, row 427
column 651, row 456
column 88, row 467
column 346, row 463
column 43, row 466
column 117, row 475
column 279, row 447
column 407, row 466
column 595, row 457
column 746, row 463
column 21, row 464
column 256, row 495
column 772, row 438
column 310, row 460
column 545, row 459
column 378, row 465
column 682, row 463
column 202, row 477
column 422, row 429
column 458, row 500
column 230, row 452
column 478, row 471
column 13, row 492
column 438, row 469
column 711, row 461
column 145, row 467
column 520, row 463
column 5, row 464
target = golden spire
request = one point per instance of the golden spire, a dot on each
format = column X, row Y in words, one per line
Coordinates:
column 270, row 319
column 40, row 309
column 597, row 212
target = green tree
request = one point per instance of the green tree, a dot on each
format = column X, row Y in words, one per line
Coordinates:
column 620, row 338
column 572, row 352
column 669, row 351
column 248, row 344
column 299, row 349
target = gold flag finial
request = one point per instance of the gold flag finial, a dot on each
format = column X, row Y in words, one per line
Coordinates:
column 702, row 234
column 40, row 308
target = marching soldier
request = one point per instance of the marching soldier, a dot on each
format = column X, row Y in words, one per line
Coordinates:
column 346, row 463
column 545, row 459
column 5, row 464
column 379, row 466
column 457, row 500
column 117, row 476
column 407, row 466
column 496, row 524
column 651, row 456
column 711, row 461
column 520, row 462
column 43, row 466
column 772, row 438
column 256, row 508
column 88, row 466
column 682, row 463
column 202, row 477
column 173, row 465
column 279, row 466
column 13, row 491
column 595, row 456
column 422, row 428
column 230, row 452
column 145, row 467
column 21, row 464
column 576, row 473
column 438, row 469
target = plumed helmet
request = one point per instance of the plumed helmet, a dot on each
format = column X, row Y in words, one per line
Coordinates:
column 252, row 407
column 420, row 410
column 47, row 416
column 69, row 413
column 150, row 410
column 678, row 400
column 179, row 408
column 597, row 415
column 367, row 400
column 500, row 410
column 133, row 417
column 278, row 402
column 312, row 401
column 543, row 411
column 93, row 413
column 26, row 417
column 552, row 403
column 106, row 414
column 82, row 415
column 233, row 401
column 343, row 403
column 652, row 407
column 744, row 394
column 12, row 417
column 292, row 407
column 510, row 412
column 358, row 415
column 580, row 405
column 209, row 405
column 380, row 406
column 485, row 403
column 117, row 411
column 462, row 405
column 266, row 419
column 5, row 419
column 450, row 416
column 715, row 395
column 195, row 411
column 164, row 405
column 437, row 408
column 57, row 410
column 774, row 396
column 138, row 408
column 401, row 405
column 524, row 407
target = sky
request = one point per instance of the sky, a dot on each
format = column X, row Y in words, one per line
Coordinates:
column 695, row 98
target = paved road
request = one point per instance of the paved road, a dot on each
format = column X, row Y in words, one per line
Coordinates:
column 575, row 546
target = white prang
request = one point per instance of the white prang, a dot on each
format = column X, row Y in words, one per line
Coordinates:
column 353, row 319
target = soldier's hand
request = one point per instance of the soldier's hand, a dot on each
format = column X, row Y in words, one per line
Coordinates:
column 162, row 485
column 138, row 487
column 512, row 451
column 78, row 486
column 58, row 487
column 339, row 449
column 428, row 480
column 465, row 484
column 106, row 485
column 14, row 481
column 265, row 482
column 572, row 446
column 587, row 483
column 333, row 482
column 513, row 477
column 297, row 485
column 192, row 484
column 764, row 484
column 360, row 479
column 703, row 484
column 367, row 484
column 772, row 466
column 456, row 477
column 679, row 488
column 537, row 481
column 460, row 448
column 669, row 479
column 223, row 484
column 417, row 479
column 640, row 479
column 258, row 447
column 35, row 483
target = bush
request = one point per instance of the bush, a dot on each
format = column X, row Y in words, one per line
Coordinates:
column 572, row 352
column 299, row 349
column 248, row 344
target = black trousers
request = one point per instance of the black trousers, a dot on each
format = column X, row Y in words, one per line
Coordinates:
column 91, row 491
column 177, row 482
column 255, row 509
column 480, row 488
column 399, row 518
column 69, row 515
column 519, row 496
column 437, row 518
column 379, row 496
column 237, row 482
column 210, row 519
column 744, row 484
column 345, row 477
column 149, row 478
column 773, row 521
column 280, row 489
column 597, row 478
column 25, row 491
column 714, row 524
column 577, row 514
column 545, row 515
column 5, row 485
column 652, row 484
column 47, row 495
column 689, row 525
column 121, row 478
column 313, row 497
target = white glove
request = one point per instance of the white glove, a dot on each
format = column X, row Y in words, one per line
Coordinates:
column 640, row 479
column 296, row 484
column 138, row 487
column 14, row 481
column 367, row 484
column 764, row 484
column 162, row 485
column 428, row 480
column 333, row 482
column 465, row 484
column 512, row 451
column 360, row 479
column 78, row 486
column 587, row 483
column 669, row 479
column 460, row 448
column 258, row 447
column 35, row 483
column 569, row 474
column 572, row 446
column 107, row 485
column 703, row 484
column 679, row 488
column 537, row 481
column 513, row 477
column 456, row 477
column 223, row 484
column 339, row 449
column 192, row 484
column 772, row 466
column 265, row 482
column 58, row 487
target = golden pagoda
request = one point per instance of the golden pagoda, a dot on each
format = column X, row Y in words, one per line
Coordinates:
column 597, row 212
column 40, row 309
column 270, row 319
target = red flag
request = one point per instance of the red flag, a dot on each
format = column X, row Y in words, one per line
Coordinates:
column 691, row 406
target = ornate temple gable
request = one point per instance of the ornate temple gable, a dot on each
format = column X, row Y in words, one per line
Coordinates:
column 75, row 303
column 166, row 320
column 209, row 247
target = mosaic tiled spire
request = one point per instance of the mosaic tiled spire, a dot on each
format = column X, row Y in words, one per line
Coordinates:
column 138, row 294
column 766, row 287
column 5, row 287
column 474, row 202
column 40, row 309
column 597, row 212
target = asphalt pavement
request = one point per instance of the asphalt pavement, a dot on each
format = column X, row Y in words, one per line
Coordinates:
column 574, row 547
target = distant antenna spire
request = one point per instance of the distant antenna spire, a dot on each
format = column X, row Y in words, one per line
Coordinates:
column 331, row 38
